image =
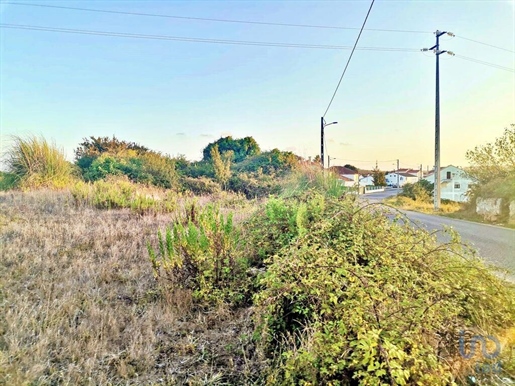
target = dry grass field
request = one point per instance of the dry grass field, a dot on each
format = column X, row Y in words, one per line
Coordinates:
column 79, row 304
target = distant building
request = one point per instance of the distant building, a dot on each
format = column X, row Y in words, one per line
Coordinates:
column 401, row 178
column 454, row 183
column 366, row 180
column 349, row 177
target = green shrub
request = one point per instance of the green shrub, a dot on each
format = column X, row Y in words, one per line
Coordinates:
column 120, row 193
column 270, row 162
column 255, row 185
column 351, row 298
column 421, row 190
column 200, row 186
column 8, row 181
column 200, row 254
column 312, row 178
column 35, row 163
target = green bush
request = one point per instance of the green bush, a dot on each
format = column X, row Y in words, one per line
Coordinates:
column 8, row 181
column 200, row 254
column 255, row 185
column 200, row 186
column 419, row 191
column 35, row 163
column 120, row 193
column 270, row 162
column 149, row 168
column 351, row 298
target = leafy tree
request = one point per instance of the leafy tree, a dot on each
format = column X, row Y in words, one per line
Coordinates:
column 379, row 177
column 351, row 167
column 317, row 159
column 493, row 160
column 241, row 148
column 222, row 165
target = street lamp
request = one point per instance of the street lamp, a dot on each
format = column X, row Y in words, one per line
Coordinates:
column 323, row 124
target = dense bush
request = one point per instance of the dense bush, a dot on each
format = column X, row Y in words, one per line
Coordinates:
column 35, row 163
column 270, row 162
column 200, row 186
column 350, row 298
column 254, row 185
column 239, row 148
column 93, row 147
column 420, row 191
column 120, row 193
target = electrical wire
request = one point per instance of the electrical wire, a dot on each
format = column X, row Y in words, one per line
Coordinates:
column 485, row 63
column 234, row 42
column 212, row 19
column 485, row 44
column 350, row 57
column 199, row 40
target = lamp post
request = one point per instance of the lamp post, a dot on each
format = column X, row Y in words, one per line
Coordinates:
column 322, row 126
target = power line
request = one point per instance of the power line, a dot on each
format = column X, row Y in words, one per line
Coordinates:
column 198, row 40
column 485, row 63
column 350, row 57
column 486, row 44
column 231, row 42
column 212, row 19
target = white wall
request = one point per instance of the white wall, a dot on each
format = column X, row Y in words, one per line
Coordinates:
column 455, row 187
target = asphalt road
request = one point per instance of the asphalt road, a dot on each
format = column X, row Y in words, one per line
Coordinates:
column 495, row 244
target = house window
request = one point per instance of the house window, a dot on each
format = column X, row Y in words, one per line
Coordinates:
column 448, row 175
column 457, row 185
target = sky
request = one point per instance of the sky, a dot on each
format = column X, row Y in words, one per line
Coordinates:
column 176, row 97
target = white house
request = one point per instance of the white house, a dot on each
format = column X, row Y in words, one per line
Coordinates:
column 349, row 177
column 366, row 180
column 403, row 178
column 454, row 183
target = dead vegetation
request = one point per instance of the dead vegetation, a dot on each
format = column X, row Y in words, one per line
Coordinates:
column 79, row 304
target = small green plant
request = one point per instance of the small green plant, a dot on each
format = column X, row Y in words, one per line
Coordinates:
column 200, row 253
column 33, row 163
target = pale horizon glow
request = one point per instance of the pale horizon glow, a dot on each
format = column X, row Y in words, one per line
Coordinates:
column 176, row 97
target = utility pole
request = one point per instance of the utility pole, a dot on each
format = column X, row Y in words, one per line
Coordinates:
column 421, row 175
column 322, row 125
column 398, row 186
column 438, row 52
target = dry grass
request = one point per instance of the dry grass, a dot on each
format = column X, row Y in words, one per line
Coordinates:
column 79, row 305
column 422, row 206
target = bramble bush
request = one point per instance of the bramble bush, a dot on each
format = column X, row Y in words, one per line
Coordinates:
column 351, row 297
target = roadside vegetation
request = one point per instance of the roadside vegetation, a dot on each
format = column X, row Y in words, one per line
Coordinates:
column 492, row 166
column 260, row 270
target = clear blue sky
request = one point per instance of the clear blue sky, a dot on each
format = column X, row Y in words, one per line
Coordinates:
column 176, row 97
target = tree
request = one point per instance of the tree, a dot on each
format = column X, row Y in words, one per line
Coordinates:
column 493, row 160
column 222, row 165
column 379, row 177
column 351, row 167
column 317, row 159
column 241, row 148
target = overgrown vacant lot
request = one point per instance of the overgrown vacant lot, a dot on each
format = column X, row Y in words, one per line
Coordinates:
column 79, row 303
column 304, row 288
